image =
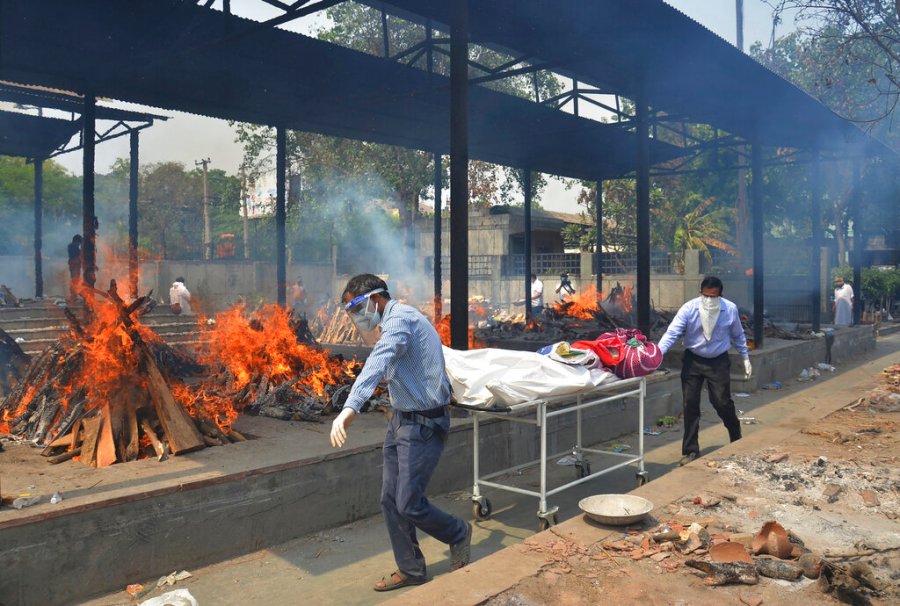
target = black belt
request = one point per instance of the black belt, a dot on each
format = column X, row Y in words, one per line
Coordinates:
column 704, row 357
column 433, row 413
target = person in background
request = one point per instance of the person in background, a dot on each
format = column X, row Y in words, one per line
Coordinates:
column 409, row 355
column 710, row 324
column 537, row 295
column 842, row 306
column 298, row 298
column 74, row 250
column 180, row 298
column 564, row 289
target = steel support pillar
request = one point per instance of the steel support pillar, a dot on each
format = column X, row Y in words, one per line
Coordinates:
column 438, row 186
column 88, row 214
column 38, row 226
column 459, row 176
column 280, row 214
column 529, row 313
column 756, row 192
column 598, row 263
column 859, row 243
column 815, row 220
column 133, row 214
column 643, row 212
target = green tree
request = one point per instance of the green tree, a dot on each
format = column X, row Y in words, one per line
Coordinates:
column 170, row 207
column 699, row 224
column 61, row 206
column 853, row 56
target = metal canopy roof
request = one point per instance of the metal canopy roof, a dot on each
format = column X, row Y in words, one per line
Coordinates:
column 30, row 136
column 68, row 102
column 689, row 71
column 44, row 136
column 172, row 54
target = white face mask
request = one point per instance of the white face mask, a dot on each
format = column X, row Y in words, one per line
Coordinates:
column 367, row 319
column 709, row 314
column 709, row 303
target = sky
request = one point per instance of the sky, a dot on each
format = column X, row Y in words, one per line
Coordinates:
column 187, row 138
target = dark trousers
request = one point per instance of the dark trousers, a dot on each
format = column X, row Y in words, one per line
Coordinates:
column 717, row 374
column 411, row 452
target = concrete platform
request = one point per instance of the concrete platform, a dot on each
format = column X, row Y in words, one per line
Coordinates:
column 141, row 519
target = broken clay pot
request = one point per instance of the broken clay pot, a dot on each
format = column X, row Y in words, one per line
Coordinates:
column 773, row 540
column 729, row 552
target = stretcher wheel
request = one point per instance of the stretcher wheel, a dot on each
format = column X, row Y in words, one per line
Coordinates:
column 583, row 469
column 482, row 511
column 544, row 523
column 642, row 477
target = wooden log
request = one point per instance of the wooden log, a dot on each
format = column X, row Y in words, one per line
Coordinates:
column 162, row 450
column 76, row 434
column 106, row 447
column 180, row 430
column 69, row 454
column 236, row 436
column 117, row 422
column 211, row 441
column 89, row 442
column 133, row 445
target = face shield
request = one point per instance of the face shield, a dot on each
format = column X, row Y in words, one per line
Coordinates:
column 365, row 316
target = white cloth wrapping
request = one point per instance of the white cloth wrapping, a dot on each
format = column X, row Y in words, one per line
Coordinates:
column 492, row 378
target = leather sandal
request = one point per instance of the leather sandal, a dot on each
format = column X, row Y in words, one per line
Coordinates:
column 396, row 580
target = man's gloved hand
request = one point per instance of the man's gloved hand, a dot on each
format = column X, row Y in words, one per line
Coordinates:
column 339, row 427
column 748, row 369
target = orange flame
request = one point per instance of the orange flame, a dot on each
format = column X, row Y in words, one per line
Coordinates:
column 248, row 349
column 443, row 330
column 583, row 305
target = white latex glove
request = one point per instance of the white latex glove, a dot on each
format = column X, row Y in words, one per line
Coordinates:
column 339, row 427
column 748, row 369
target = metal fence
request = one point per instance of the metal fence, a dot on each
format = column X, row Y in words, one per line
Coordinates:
column 626, row 263
column 479, row 265
column 545, row 264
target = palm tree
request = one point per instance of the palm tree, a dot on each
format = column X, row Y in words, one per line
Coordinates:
column 694, row 223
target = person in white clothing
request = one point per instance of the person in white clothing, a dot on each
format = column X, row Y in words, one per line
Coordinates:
column 842, row 307
column 180, row 297
column 564, row 289
column 537, row 295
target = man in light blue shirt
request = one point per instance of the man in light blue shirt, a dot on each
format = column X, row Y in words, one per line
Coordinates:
column 709, row 325
column 409, row 356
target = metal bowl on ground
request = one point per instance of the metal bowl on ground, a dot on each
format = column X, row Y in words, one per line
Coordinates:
column 615, row 509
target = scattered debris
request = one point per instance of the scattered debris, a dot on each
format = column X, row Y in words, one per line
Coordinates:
column 772, row 539
column 729, row 551
column 870, row 499
column 775, row 568
column 178, row 597
column 726, row 573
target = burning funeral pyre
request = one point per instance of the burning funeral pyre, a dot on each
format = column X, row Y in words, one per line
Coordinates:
column 111, row 391
column 583, row 315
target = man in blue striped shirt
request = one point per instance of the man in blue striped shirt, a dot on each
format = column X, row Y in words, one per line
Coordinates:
column 408, row 355
column 709, row 324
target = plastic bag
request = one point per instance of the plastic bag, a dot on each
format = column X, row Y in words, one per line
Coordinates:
column 636, row 357
column 178, row 597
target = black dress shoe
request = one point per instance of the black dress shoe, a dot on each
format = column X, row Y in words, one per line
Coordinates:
column 688, row 458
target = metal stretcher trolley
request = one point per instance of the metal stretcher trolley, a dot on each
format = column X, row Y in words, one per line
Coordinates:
column 537, row 412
